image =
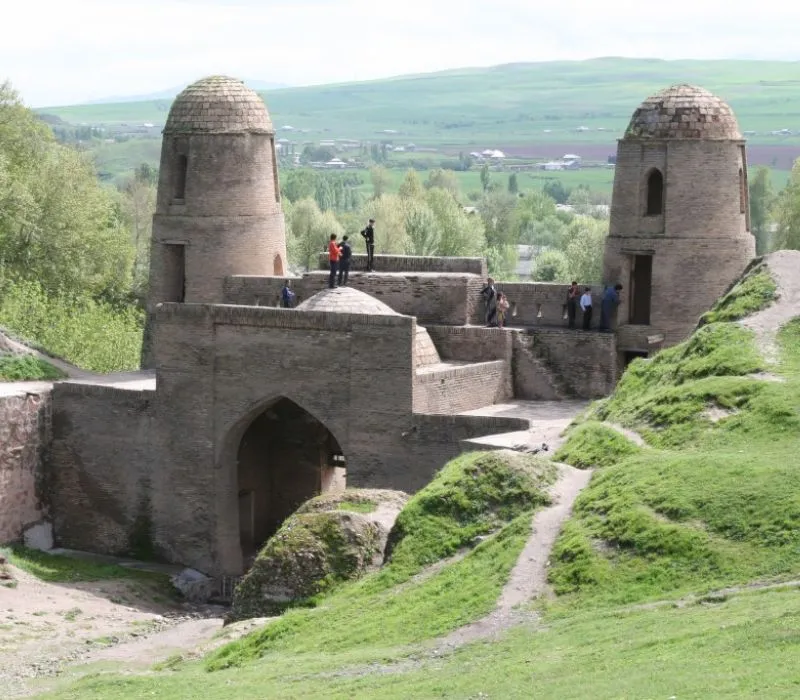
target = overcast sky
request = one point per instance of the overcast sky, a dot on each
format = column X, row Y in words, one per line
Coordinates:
column 67, row 52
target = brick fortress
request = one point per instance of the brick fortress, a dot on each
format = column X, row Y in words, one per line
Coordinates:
column 249, row 409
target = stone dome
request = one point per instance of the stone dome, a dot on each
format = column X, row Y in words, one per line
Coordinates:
column 218, row 105
column 346, row 300
column 684, row 112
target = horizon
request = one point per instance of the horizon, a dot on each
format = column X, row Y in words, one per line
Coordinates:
column 71, row 55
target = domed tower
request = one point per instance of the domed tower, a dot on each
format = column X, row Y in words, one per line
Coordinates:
column 679, row 233
column 218, row 209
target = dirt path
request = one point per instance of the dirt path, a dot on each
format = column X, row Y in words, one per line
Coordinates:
column 46, row 628
column 784, row 267
column 529, row 576
column 633, row 436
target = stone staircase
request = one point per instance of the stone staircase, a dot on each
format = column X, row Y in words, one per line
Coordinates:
column 534, row 376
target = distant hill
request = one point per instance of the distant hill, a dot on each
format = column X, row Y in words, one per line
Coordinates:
column 580, row 102
column 171, row 93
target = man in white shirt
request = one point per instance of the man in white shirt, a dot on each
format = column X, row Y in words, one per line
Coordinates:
column 586, row 307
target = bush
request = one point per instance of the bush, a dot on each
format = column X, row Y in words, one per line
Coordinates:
column 90, row 334
column 18, row 368
column 593, row 444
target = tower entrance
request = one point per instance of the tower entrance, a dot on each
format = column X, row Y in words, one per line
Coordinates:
column 641, row 286
column 285, row 457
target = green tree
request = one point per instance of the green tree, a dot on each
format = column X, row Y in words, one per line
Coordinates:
column 305, row 232
column 486, row 177
column 422, row 229
column 762, row 200
column 460, row 233
column 411, row 187
column 555, row 189
column 381, row 180
column 787, row 213
column 550, row 266
column 445, row 180
column 299, row 184
column 390, row 231
column 586, row 237
column 513, row 185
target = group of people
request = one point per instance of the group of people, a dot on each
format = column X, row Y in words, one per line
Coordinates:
column 608, row 302
column 340, row 253
column 496, row 305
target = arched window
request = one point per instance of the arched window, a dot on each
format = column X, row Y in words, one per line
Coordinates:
column 742, row 192
column 181, row 165
column 277, row 265
column 655, row 193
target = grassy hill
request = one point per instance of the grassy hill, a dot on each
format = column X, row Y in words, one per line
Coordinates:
column 510, row 104
column 675, row 577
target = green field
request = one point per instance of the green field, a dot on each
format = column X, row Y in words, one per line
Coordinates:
column 510, row 104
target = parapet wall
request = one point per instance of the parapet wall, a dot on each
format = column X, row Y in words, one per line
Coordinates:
column 100, row 469
column 549, row 299
column 24, row 437
column 413, row 263
column 461, row 388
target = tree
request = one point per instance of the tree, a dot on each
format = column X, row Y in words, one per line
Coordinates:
column 762, row 200
column 586, row 239
column 299, row 184
column 537, row 222
column 513, row 185
column 390, row 230
column 422, row 229
column 787, row 213
column 445, row 180
column 485, row 177
column 381, row 180
column 555, row 189
column 461, row 234
column 550, row 266
column 305, row 230
column 411, row 187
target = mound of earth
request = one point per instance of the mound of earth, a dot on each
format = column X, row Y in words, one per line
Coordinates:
column 331, row 538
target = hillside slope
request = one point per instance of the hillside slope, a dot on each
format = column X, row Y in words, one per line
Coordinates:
column 510, row 103
column 712, row 499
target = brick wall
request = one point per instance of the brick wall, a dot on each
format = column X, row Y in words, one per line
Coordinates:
column 413, row 263
column 430, row 297
column 100, row 469
column 585, row 364
column 531, row 298
column 534, row 379
column 456, row 389
column 24, row 435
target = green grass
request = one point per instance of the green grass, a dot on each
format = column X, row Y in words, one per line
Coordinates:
column 593, row 444
column 357, row 506
column 87, row 333
column 713, row 503
column 17, row 368
column 56, row 568
column 755, row 291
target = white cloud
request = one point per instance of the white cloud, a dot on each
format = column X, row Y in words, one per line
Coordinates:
column 58, row 53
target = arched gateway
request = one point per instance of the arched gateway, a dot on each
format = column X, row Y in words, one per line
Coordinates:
column 284, row 457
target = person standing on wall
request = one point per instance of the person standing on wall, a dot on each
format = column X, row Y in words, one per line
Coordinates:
column 502, row 309
column 287, row 295
column 345, row 253
column 333, row 260
column 369, row 236
column 489, row 295
column 586, row 307
column 608, row 304
column 573, row 295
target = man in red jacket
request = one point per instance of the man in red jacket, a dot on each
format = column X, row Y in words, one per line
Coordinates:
column 333, row 258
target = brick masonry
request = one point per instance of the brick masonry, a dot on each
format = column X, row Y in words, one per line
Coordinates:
column 162, row 467
column 24, row 436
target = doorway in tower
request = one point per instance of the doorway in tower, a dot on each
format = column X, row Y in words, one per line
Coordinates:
column 285, row 457
column 641, row 289
column 630, row 355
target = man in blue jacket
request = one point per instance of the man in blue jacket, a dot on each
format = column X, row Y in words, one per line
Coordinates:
column 607, row 306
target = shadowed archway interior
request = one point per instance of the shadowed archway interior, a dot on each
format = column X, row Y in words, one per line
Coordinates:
column 285, row 457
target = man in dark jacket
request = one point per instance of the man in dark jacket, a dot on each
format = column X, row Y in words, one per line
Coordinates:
column 346, row 252
column 608, row 306
column 369, row 236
